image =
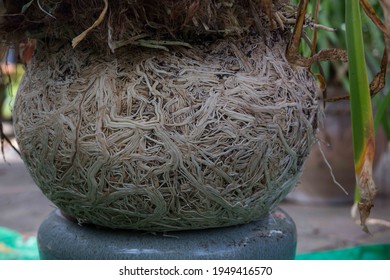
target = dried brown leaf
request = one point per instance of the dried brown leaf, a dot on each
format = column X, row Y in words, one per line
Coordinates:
column 379, row 81
column 367, row 189
column 386, row 8
column 292, row 53
column 370, row 12
column 81, row 37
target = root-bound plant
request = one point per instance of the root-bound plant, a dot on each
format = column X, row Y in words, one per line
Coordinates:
column 164, row 115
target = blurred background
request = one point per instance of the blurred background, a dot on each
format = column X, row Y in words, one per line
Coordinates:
column 318, row 205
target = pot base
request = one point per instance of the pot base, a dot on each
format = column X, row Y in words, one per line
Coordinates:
column 273, row 237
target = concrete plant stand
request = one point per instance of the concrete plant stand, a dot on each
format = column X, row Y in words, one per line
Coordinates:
column 273, row 237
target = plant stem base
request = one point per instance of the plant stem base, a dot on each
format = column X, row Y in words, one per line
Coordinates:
column 273, row 237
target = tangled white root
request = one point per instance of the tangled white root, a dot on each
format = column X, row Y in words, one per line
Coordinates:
column 142, row 139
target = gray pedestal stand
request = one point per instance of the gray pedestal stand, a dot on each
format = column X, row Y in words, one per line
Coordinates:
column 273, row 237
